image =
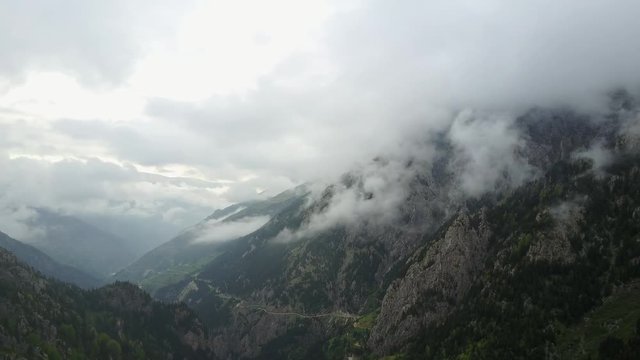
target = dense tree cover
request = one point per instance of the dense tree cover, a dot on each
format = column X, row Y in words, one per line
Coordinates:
column 614, row 348
column 44, row 317
column 520, row 307
column 579, row 307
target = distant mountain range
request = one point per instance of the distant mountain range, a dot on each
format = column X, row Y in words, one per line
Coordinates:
column 73, row 242
column 195, row 247
column 46, row 265
column 45, row 319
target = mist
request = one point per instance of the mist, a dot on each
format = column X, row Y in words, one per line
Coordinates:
column 295, row 95
column 220, row 231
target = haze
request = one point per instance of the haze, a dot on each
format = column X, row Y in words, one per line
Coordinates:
column 153, row 114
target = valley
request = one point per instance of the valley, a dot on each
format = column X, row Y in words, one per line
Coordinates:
column 319, row 180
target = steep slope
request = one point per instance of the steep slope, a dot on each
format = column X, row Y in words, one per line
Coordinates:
column 616, row 322
column 43, row 263
column 311, row 289
column 556, row 249
column 196, row 246
column 41, row 318
column 73, row 242
column 552, row 250
column 433, row 282
column 303, row 290
column 437, row 279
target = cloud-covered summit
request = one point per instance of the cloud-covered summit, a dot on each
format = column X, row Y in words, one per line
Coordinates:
column 167, row 107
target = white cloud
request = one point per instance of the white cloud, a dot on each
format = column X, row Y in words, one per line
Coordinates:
column 16, row 222
column 95, row 41
column 486, row 153
column 219, row 231
column 213, row 93
column 226, row 46
column 599, row 154
column 93, row 187
column 369, row 196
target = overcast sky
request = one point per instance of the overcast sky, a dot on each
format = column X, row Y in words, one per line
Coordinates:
column 170, row 109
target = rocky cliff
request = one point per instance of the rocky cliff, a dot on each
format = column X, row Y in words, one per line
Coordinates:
column 439, row 278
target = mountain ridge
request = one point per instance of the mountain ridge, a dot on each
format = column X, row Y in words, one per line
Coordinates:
column 183, row 255
column 73, row 242
column 363, row 269
column 43, row 263
column 43, row 318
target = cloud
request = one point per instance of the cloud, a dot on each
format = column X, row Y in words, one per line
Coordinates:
column 402, row 70
column 369, row 196
column 246, row 103
column 600, row 156
column 98, row 42
column 491, row 54
column 108, row 194
column 481, row 152
column 568, row 211
column 304, row 133
column 486, row 156
column 629, row 132
column 219, row 231
column 17, row 223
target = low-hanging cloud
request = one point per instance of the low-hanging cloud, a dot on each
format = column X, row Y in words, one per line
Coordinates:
column 599, row 155
column 375, row 75
column 486, row 153
column 143, row 207
column 17, row 223
column 369, row 195
column 220, row 231
column 630, row 130
column 481, row 151
column 402, row 70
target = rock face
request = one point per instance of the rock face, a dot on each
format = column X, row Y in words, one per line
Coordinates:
column 337, row 271
column 553, row 245
column 434, row 283
column 553, row 135
column 418, row 270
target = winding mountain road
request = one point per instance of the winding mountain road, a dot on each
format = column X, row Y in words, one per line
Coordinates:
column 336, row 314
column 243, row 304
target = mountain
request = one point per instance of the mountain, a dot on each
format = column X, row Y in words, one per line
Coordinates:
column 47, row 266
column 516, row 278
column 196, row 246
column 142, row 236
column 517, row 271
column 46, row 319
column 73, row 242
